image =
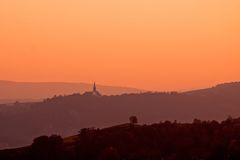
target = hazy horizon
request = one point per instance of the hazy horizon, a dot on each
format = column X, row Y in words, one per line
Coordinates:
column 153, row 45
column 130, row 87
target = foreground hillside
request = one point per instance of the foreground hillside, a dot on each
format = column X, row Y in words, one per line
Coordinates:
column 64, row 115
column 200, row 140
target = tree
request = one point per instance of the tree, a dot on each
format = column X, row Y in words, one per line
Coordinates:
column 45, row 147
column 133, row 120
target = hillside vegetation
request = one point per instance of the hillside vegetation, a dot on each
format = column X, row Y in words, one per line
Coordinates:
column 200, row 140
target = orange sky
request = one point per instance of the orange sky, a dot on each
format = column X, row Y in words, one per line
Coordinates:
column 149, row 44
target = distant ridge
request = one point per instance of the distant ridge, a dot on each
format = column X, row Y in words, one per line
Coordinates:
column 36, row 91
column 230, row 89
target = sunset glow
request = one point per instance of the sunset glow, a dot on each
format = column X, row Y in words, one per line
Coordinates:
column 147, row 44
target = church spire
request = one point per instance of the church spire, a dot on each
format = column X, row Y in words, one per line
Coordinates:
column 94, row 87
column 94, row 92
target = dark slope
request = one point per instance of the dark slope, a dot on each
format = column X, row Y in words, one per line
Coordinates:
column 20, row 123
column 205, row 140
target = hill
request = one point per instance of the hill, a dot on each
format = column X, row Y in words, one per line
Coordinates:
column 225, row 89
column 32, row 92
column 205, row 140
column 65, row 115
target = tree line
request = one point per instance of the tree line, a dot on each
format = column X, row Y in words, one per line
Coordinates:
column 199, row 140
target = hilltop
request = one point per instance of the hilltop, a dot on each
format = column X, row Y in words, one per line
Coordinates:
column 37, row 91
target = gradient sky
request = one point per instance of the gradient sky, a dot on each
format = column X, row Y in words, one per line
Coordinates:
column 148, row 44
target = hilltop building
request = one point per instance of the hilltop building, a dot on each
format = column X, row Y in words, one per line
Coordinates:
column 94, row 92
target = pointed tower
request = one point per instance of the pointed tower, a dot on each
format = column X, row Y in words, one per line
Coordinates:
column 94, row 88
column 94, row 92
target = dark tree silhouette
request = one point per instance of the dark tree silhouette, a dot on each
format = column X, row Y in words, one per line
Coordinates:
column 200, row 140
column 45, row 147
column 133, row 120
